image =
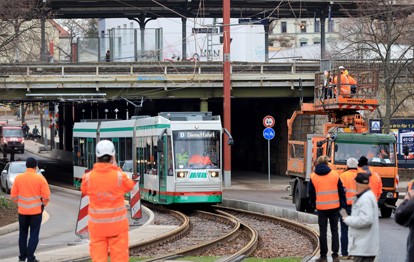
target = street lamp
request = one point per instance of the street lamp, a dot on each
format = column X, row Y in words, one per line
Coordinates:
column 106, row 113
column 116, row 113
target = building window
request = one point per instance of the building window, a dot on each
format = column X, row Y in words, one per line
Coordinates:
column 330, row 26
column 303, row 43
column 303, row 26
column 283, row 27
column 317, row 26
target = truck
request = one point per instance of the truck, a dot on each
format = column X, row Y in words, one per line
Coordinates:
column 333, row 125
column 11, row 138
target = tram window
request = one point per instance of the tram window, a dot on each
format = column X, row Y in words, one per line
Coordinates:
column 169, row 159
column 79, row 151
column 148, row 154
column 140, row 153
column 155, row 154
column 125, row 150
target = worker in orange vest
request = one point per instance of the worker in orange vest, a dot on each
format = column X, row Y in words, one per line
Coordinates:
column 375, row 181
column 327, row 194
column 31, row 193
column 199, row 159
column 347, row 83
column 108, row 224
column 348, row 180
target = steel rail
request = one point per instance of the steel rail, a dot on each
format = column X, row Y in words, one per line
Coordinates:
column 299, row 227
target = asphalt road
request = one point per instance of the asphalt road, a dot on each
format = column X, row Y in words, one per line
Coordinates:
column 57, row 232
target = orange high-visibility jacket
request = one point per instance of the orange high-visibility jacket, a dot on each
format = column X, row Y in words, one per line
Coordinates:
column 326, row 188
column 198, row 159
column 106, row 185
column 346, row 82
column 375, row 182
column 30, row 191
column 348, row 181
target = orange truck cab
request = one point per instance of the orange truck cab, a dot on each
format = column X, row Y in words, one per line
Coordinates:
column 11, row 137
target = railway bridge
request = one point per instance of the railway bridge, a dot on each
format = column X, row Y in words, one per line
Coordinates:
column 114, row 90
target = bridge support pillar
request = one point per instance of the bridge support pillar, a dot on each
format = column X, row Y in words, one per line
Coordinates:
column 203, row 105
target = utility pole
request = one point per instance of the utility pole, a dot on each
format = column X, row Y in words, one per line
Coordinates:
column 226, row 91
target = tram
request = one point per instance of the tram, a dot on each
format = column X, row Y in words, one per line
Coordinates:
column 178, row 155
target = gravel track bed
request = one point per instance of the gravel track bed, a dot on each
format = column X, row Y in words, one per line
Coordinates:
column 275, row 240
column 162, row 218
column 228, row 248
column 203, row 230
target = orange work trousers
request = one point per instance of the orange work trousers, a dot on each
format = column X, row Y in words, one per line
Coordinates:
column 116, row 246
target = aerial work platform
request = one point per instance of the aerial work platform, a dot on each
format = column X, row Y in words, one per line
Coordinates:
column 329, row 96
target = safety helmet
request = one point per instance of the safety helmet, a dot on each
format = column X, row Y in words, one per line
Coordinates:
column 105, row 147
column 341, row 67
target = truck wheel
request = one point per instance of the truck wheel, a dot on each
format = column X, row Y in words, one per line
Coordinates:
column 300, row 203
column 386, row 212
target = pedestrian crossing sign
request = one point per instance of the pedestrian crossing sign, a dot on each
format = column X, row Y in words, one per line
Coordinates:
column 375, row 126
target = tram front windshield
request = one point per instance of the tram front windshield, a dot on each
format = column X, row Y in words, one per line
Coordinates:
column 198, row 149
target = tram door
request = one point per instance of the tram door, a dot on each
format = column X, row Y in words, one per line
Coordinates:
column 90, row 153
column 161, row 170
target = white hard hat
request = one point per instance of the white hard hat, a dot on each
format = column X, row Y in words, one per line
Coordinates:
column 341, row 67
column 105, row 147
column 352, row 163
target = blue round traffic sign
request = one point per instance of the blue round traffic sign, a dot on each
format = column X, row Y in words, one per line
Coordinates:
column 269, row 133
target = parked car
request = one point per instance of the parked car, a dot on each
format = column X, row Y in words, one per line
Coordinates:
column 9, row 173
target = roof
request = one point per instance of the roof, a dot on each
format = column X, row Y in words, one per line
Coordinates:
column 200, row 8
column 62, row 31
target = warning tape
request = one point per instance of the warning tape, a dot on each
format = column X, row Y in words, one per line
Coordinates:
column 356, row 107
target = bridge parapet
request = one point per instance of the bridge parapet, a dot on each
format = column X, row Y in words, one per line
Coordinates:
column 142, row 77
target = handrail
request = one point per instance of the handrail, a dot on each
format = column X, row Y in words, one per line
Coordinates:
column 165, row 68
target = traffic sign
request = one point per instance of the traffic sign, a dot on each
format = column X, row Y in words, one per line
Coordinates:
column 268, row 121
column 269, row 133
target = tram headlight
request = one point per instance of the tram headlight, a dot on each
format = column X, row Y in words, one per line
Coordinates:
column 182, row 174
column 213, row 174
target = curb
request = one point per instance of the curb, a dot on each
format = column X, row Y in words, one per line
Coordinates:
column 15, row 226
column 271, row 210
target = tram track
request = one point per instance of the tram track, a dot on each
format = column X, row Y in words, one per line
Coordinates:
column 207, row 230
column 230, row 235
column 278, row 237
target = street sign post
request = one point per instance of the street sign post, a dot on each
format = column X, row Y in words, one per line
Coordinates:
column 268, row 134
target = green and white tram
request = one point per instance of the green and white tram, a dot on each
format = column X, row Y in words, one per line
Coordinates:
column 178, row 155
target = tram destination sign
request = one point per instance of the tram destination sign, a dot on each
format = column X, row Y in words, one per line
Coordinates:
column 201, row 134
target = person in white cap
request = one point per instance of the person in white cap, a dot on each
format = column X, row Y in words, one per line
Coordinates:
column 108, row 225
column 347, row 82
column 363, row 222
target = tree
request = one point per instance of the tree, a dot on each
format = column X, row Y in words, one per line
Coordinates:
column 383, row 35
column 18, row 21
